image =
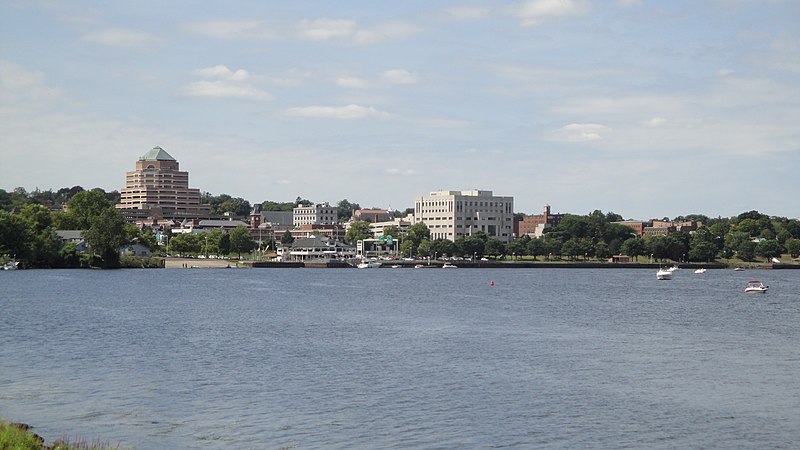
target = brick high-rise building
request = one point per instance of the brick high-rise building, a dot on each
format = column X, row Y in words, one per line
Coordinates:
column 158, row 186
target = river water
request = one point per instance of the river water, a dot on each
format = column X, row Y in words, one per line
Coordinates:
column 382, row 358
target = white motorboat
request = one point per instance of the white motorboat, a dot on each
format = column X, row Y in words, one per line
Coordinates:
column 700, row 270
column 664, row 274
column 449, row 266
column 368, row 265
column 11, row 265
column 756, row 287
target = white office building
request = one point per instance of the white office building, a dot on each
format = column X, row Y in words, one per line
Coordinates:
column 319, row 214
column 454, row 214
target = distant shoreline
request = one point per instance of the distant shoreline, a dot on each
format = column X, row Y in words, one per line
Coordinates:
column 196, row 263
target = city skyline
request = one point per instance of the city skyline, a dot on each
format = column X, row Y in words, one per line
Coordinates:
column 642, row 108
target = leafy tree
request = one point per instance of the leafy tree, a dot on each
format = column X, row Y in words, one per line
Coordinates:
column 746, row 250
column 571, row 248
column 212, row 242
column 185, row 244
column 106, row 234
column 36, row 216
column 424, row 248
column 14, row 235
column 413, row 238
column 345, row 210
column 43, row 249
column 84, row 207
column 519, row 246
column 358, row 231
column 702, row 250
column 392, row 230
column 769, row 248
column 602, row 250
column 494, row 248
column 536, row 247
column 241, row 240
column 750, row 226
column 793, row 247
column 472, row 246
column 634, row 247
column 287, row 238
column 734, row 242
column 301, row 201
column 275, row 206
column 442, row 247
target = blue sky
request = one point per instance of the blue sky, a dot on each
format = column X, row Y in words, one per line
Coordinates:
column 644, row 108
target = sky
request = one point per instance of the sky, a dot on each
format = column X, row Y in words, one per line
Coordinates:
column 648, row 109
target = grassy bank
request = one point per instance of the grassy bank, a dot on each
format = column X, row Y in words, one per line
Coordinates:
column 18, row 436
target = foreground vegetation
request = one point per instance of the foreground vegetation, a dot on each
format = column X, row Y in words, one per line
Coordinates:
column 17, row 436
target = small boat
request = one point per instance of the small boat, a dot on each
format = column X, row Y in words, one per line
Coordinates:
column 368, row 265
column 738, row 269
column 11, row 265
column 395, row 266
column 449, row 266
column 700, row 270
column 418, row 266
column 756, row 287
column 673, row 268
column 664, row 274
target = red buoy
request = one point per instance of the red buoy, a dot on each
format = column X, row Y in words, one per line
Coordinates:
column 491, row 283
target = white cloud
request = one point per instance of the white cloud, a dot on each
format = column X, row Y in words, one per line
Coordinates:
column 629, row 3
column 20, row 84
column 399, row 76
column 233, row 29
column 224, row 89
column 337, row 112
column 325, row 29
column 536, row 12
column 322, row 29
column 353, row 82
column 655, row 122
column 117, row 37
column 580, row 132
column 222, row 72
column 224, row 83
column 467, row 12
column 402, row 172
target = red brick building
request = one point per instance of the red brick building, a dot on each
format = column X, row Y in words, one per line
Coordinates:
column 159, row 186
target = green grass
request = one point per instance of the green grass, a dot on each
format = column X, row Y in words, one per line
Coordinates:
column 13, row 437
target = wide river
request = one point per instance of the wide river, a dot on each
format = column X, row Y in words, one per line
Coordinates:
column 382, row 358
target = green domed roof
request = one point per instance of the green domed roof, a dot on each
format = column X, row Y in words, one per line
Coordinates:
column 156, row 154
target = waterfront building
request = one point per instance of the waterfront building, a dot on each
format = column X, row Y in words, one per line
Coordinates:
column 378, row 227
column 333, row 231
column 205, row 225
column 315, row 248
column 455, row 214
column 159, row 189
column 318, row 214
column 534, row 225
